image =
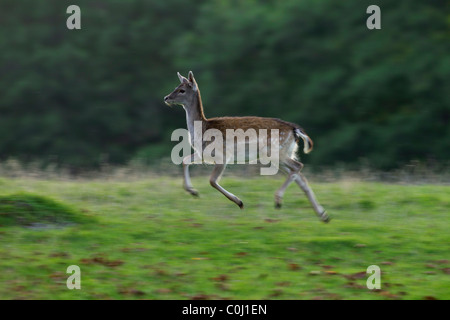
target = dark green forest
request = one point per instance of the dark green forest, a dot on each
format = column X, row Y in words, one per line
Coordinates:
column 82, row 97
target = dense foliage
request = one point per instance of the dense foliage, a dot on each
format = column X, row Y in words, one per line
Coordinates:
column 79, row 97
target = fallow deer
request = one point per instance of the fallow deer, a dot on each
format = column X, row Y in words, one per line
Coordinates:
column 187, row 94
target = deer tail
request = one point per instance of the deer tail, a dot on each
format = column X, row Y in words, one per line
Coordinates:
column 307, row 142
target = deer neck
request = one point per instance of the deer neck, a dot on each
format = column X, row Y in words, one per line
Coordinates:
column 194, row 112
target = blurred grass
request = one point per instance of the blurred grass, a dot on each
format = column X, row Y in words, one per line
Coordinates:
column 36, row 211
column 151, row 240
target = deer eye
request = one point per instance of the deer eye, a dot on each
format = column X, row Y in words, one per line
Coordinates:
column 182, row 91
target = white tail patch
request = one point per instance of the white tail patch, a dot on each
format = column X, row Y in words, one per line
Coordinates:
column 307, row 148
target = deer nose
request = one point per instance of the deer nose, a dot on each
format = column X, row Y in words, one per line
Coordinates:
column 166, row 98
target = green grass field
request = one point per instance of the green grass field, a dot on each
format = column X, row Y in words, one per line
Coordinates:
column 148, row 239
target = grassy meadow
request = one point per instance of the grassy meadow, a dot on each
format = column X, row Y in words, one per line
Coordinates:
column 146, row 238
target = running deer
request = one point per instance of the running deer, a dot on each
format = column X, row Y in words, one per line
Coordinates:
column 187, row 94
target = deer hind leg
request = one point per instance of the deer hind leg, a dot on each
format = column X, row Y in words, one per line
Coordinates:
column 303, row 184
column 280, row 192
column 301, row 181
column 214, row 179
column 188, row 160
column 290, row 169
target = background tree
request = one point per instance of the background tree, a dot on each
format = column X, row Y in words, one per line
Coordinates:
column 95, row 94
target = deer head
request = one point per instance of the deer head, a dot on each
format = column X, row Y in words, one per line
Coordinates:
column 184, row 93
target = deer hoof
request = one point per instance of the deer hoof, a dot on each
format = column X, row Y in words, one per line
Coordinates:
column 324, row 217
column 193, row 192
column 278, row 201
column 240, row 204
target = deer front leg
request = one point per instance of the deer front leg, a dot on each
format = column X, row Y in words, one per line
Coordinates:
column 213, row 180
column 188, row 160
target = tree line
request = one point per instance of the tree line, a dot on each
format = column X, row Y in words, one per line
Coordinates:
column 81, row 97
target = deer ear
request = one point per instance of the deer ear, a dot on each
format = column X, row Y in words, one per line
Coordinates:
column 182, row 79
column 192, row 81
